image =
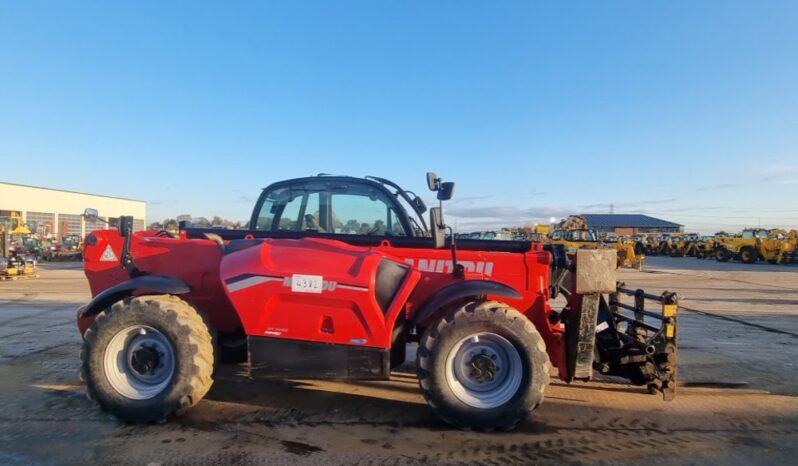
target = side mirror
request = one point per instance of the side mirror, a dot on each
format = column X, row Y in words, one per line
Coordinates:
column 125, row 225
column 433, row 181
column 446, row 191
column 438, row 227
column 91, row 214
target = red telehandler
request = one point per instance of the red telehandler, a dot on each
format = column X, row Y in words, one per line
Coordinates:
column 332, row 279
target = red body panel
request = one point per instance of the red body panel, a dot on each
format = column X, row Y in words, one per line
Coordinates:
column 194, row 261
column 345, row 313
column 346, row 310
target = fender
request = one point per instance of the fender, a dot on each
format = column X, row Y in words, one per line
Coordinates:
column 161, row 284
column 459, row 290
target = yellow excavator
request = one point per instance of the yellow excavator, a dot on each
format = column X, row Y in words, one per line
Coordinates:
column 11, row 223
column 14, row 257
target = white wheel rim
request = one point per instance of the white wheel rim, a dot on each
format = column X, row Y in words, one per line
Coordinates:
column 484, row 370
column 139, row 362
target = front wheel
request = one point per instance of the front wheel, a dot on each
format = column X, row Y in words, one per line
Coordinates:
column 483, row 365
column 722, row 255
column 148, row 358
column 748, row 255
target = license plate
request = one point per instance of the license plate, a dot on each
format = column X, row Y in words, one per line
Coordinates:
column 306, row 283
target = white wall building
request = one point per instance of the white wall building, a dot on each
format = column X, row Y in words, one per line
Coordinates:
column 58, row 212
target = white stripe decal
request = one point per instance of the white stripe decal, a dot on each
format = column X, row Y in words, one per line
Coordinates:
column 251, row 281
column 352, row 287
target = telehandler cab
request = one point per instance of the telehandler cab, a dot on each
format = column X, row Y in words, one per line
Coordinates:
column 333, row 278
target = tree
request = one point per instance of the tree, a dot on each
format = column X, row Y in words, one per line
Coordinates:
column 170, row 224
column 378, row 228
column 352, row 226
column 201, row 222
column 155, row 226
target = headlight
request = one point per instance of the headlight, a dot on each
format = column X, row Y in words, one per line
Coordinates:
column 52, row 248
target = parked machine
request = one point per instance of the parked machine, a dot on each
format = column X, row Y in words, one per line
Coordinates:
column 744, row 247
column 629, row 253
column 705, row 247
column 15, row 259
column 685, row 245
column 69, row 248
column 306, row 298
column 11, row 222
column 779, row 247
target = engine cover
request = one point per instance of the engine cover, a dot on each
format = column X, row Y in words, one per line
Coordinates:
column 317, row 290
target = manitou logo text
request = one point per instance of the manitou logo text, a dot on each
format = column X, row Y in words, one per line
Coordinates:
column 446, row 266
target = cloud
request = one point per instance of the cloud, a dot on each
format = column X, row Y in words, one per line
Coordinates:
column 493, row 217
column 472, row 198
column 716, row 187
column 775, row 171
column 778, row 168
column 627, row 205
column 153, row 203
column 691, row 208
column 507, row 212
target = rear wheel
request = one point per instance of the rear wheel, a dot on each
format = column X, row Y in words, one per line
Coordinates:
column 148, row 358
column 748, row 255
column 483, row 365
column 722, row 255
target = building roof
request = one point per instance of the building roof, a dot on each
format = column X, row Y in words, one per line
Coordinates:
column 68, row 191
column 626, row 220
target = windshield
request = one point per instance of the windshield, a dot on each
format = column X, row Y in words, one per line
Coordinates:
column 581, row 235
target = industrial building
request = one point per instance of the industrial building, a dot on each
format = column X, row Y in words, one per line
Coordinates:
column 630, row 224
column 55, row 213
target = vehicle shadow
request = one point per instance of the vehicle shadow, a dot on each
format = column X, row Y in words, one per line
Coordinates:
column 394, row 403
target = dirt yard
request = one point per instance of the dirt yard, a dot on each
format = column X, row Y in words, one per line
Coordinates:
column 737, row 403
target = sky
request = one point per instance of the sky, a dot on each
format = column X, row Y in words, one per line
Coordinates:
column 685, row 110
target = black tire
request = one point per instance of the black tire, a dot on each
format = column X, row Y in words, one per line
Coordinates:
column 722, row 255
column 748, row 255
column 192, row 357
column 773, row 261
column 489, row 318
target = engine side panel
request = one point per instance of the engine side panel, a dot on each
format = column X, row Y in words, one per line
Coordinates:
column 312, row 290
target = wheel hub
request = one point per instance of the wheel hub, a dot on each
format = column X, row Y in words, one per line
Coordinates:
column 145, row 360
column 140, row 362
column 483, row 368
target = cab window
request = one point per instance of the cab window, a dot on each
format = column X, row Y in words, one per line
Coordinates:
column 325, row 207
column 289, row 210
column 357, row 214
